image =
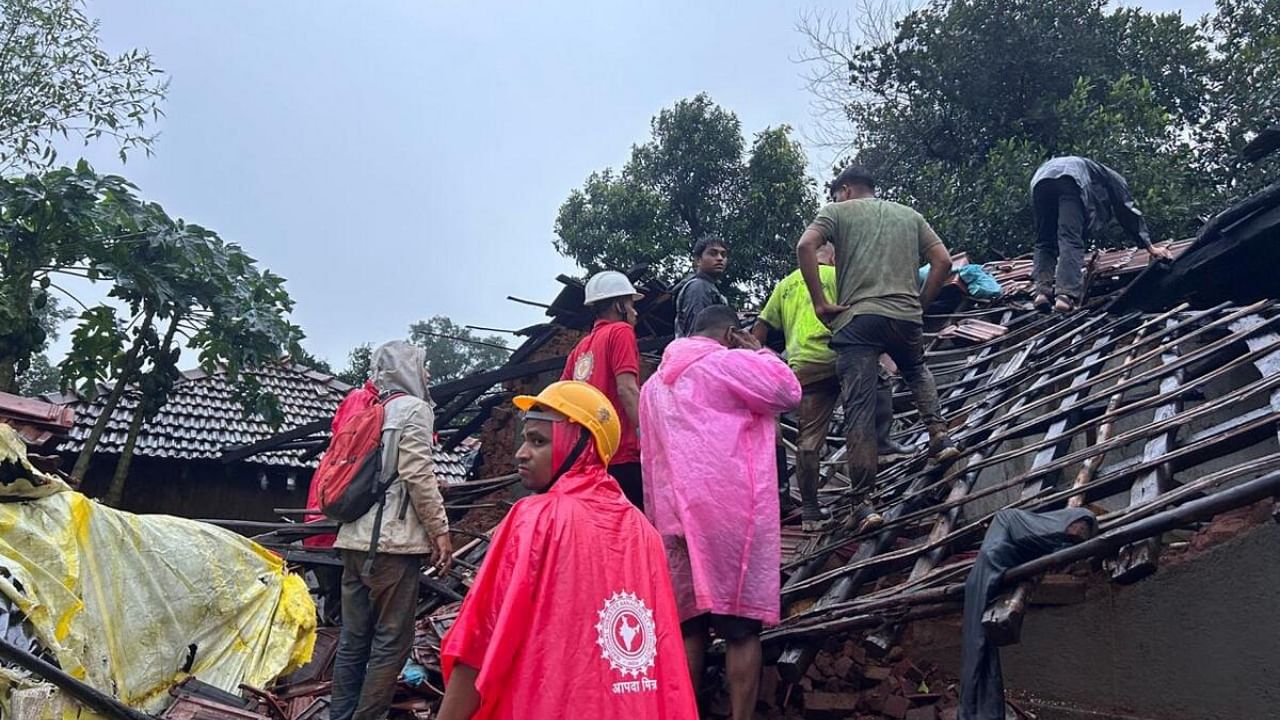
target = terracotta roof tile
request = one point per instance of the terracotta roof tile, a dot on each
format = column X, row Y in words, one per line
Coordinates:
column 202, row 419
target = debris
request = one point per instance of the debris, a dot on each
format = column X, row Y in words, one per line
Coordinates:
column 840, row 704
column 928, row 712
column 107, row 578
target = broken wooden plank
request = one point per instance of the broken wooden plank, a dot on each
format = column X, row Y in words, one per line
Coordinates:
column 1002, row 620
column 1137, row 561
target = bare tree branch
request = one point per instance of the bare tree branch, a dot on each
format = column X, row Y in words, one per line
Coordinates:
column 834, row 39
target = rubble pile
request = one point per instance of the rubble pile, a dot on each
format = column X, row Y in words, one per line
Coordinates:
column 844, row 682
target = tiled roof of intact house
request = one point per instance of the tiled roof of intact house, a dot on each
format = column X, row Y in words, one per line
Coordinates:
column 202, row 419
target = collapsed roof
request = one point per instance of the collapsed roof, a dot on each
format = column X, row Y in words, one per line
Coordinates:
column 1156, row 405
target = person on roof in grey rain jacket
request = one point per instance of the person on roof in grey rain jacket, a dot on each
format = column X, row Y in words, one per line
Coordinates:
column 378, row 606
column 1073, row 198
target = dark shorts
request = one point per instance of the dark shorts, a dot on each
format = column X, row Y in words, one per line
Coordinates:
column 730, row 628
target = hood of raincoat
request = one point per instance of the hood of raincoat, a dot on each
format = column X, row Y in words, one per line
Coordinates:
column 681, row 355
column 586, row 471
column 399, row 366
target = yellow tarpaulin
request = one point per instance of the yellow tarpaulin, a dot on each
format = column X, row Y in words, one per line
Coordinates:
column 134, row 604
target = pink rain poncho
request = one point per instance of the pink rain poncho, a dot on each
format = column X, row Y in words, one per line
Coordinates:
column 707, row 433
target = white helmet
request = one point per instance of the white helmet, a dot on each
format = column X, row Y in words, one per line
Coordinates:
column 607, row 285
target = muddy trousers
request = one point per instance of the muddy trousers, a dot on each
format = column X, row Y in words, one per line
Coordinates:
column 1060, row 238
column 858, row 346
column 378, row 620
column 818, row 400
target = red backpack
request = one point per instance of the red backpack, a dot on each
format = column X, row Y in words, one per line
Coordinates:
column 349, row 479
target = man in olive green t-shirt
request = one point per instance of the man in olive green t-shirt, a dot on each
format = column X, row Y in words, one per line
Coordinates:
column 809, row 354
column 879, row 310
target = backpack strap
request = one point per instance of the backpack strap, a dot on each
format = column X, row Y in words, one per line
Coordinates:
column 392, row 396
column 384, row 484
column 381, row 489
column 376, row 535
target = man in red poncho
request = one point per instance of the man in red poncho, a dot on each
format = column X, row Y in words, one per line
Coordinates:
column 572, row 613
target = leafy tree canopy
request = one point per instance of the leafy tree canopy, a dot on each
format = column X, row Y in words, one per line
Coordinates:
column 955, row 107
column 454, row 351
column 691, row 178
column 57, row 81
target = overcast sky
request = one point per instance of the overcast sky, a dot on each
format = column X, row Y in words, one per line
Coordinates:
column 397, row 160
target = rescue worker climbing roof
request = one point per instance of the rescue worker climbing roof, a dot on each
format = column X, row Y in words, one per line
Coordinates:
column 572, row 612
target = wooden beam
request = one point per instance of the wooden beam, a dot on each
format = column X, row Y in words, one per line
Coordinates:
column 1204, row 508
column 515, row 371
column 1268, row 365
column 86, row 695
column 879, row 642
column 1137, row 561
column 466, row 429
column 241, row 452
column 1002, row 621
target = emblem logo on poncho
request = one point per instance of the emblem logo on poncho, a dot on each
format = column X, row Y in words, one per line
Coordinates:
column 626, row 634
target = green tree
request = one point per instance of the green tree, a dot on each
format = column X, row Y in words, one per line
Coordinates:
column 57, row 81
column 454, row 351
column 181, row 280
column 693, row 177
column 40, row 377
column 1245, row 93
column 955, row 110
column 307, row 359
column 66, row 222
column 357, row 369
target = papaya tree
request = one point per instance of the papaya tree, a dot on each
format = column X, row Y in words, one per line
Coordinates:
column 180, row 285
column 54, row 225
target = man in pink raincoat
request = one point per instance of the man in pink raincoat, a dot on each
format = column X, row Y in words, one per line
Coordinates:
column 711, row 489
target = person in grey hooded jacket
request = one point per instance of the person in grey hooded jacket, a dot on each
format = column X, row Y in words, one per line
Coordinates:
column 1074, row 198
column 379, row 601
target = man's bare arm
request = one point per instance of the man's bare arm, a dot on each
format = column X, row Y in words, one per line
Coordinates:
column 939, row 269
column 629, row 396
column 461, row 699
column 761, row 331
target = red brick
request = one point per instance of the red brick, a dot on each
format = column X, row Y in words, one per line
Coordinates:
column 896, row 706
column 830, row 702
column 842, row 667
column 823, row 664
column 876, row 672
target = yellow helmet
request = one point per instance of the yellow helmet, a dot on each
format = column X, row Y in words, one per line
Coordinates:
column 582, row 404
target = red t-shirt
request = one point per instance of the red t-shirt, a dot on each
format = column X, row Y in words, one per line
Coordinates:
column 609, row 349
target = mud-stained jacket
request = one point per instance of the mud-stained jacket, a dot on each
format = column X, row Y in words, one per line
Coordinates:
column 414, row 512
